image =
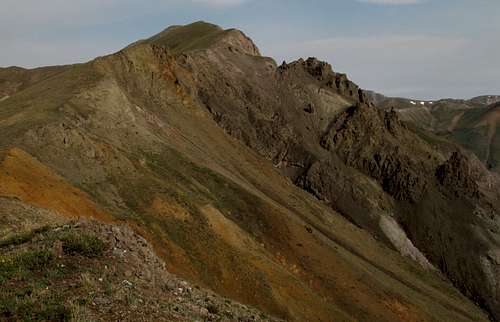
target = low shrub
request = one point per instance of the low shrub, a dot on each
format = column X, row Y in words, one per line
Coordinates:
column 82, row 244
column 21, row 263
column 34, row 259
column 22, row 237
column 24, row 309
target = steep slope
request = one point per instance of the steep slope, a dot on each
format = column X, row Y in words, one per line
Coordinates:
column 317, row 127
column 477, row 131
column 141, row 137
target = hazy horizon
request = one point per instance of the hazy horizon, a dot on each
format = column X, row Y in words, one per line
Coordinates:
column 425, row 49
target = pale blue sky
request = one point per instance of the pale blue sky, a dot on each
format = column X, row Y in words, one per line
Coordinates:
column 413, row 48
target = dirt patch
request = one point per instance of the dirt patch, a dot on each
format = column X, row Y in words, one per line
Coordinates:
column 455, row 120
column 404, row 312
column 25, row 178
column 17, row 217
column 226, row 229
column 162, row 208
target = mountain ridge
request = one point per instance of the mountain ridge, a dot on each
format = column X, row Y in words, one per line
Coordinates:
column 203, row 151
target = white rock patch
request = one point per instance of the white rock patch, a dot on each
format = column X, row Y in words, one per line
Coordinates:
column 400, row 241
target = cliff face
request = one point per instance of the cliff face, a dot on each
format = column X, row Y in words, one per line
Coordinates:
column 193, row 139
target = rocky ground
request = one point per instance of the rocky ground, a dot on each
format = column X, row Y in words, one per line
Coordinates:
column 89, row 271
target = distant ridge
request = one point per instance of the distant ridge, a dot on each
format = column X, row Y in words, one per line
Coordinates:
column 471, row 123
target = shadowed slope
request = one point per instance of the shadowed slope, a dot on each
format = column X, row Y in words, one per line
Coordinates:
column 319, row 129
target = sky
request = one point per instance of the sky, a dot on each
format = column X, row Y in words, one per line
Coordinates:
column 423, row 49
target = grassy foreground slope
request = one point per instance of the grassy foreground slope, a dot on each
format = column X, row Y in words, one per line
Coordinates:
column 53, row 269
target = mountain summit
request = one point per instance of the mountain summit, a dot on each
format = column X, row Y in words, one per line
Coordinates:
column 281, row 187
column 202, row 35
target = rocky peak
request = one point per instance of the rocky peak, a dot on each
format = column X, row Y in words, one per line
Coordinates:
column 323, row 72
column 237, row 41
column 317, row 68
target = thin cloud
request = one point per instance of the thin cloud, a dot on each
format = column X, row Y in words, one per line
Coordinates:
column 220, row 2
column 392, row 2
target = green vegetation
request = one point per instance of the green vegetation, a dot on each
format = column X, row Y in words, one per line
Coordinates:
column 471, row 117
column 19, row 281
column 82, row 244
column 40, row 102
column 195, row 36
column 34, row 259
column 23, row 237
column 474, row 139
column 31, row 276
column 23, row 308
column 193, row 186
column 23, row 263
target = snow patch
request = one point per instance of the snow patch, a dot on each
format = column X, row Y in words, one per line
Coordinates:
column 412, row 102
column 4, row 98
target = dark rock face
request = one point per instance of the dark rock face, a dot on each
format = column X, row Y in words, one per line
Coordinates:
column 324, row 74
column 376, row 150
column 320, row 129
column 457, row 176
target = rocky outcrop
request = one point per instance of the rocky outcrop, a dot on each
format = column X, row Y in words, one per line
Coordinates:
column 327, row 78
column 457, row 176
column 370, row 141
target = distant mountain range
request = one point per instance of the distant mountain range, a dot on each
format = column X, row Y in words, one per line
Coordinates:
column 470, row 123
